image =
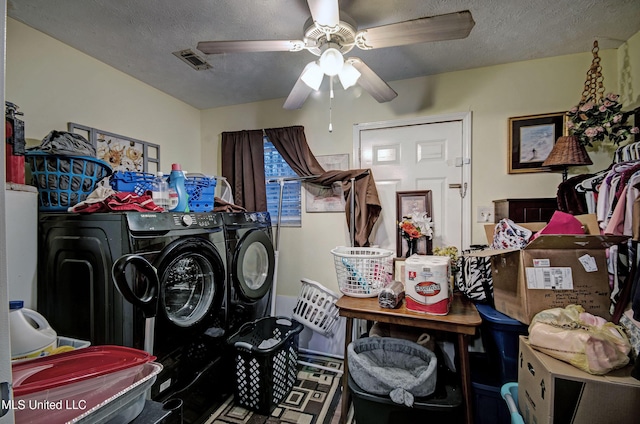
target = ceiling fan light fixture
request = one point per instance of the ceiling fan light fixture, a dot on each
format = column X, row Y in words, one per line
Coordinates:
column 312, row 75
column 348, row 75
column 331, row 61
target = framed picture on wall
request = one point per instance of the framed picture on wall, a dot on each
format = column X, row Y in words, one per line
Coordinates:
column 121, row 152
column 531, row 139
column 411, row 203
column 327, row 199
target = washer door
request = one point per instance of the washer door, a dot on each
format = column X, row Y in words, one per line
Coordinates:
column 192, row 277
column 254, row 265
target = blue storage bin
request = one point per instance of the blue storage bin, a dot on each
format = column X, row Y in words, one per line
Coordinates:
column 500, row 339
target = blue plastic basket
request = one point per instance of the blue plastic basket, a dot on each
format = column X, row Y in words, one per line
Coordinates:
column 64, row 181
column 132, row 182
column 200, row 188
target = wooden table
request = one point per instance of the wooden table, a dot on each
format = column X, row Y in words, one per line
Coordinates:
column 462, row 319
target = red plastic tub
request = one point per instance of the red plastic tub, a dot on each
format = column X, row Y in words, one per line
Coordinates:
column 61, row 387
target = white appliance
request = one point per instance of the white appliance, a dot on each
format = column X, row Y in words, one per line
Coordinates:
column 21, row 210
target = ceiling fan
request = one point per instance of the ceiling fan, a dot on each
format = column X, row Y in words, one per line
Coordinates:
column 330, row 33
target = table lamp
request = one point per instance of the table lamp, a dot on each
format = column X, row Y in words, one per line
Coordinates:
column 565, row 153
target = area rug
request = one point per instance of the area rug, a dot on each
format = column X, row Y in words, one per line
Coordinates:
column 312, row 400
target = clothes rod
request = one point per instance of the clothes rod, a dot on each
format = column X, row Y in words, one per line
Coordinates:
column 285, row 179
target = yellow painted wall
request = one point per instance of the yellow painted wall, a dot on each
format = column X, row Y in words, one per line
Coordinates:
column 54, row 84
column 492, row 94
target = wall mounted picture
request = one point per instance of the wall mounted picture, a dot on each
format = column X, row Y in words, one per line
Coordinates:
column 121, row 152
column 531, row 139
column 327, row 199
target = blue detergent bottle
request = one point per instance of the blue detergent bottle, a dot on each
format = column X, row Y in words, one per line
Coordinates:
column 178, row 197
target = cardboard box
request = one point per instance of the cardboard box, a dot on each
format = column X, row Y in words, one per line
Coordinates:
column 553, row 271
column 554, row 392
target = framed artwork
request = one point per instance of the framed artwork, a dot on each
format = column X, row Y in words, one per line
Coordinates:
column 121, row 152
column 531, row 139
column 398, row 269
column 327, row 199
column 410, row 203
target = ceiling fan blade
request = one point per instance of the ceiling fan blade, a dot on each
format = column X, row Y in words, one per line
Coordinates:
column 371, row 82
column 451, row 26
column 325, row 13
column 216, row 47
column 299, row 93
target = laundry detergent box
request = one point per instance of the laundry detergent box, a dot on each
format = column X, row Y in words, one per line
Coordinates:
column 427, row 284
column 551, row 391
column 553, row 271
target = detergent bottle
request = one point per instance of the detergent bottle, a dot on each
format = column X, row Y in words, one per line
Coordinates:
column 178, row 197
column 31, row 335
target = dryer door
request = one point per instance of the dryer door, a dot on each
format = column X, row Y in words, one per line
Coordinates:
column 254, row 265
column 192, row 277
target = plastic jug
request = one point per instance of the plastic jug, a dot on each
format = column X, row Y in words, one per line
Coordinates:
column 178, row 197
column 160, row 191
column 27, row 340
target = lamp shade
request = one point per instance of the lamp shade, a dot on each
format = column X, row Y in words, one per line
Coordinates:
column 331, row 61
column 312, row 75
column 348, row 75
column 567, row 152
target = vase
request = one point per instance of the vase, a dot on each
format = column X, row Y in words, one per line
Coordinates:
column 412, row 244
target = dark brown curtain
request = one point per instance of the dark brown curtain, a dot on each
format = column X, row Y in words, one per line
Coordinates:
column 243, row 167
column 292, row 145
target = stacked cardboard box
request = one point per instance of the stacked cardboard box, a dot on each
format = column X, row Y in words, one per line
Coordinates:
column 554, row 392
column 553, row 271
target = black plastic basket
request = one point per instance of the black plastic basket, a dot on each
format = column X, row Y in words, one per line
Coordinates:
column 265, row 374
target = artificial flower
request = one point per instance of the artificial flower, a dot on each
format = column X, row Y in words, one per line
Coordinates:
column 416, row 226
column 600, row 120
column 451, row 252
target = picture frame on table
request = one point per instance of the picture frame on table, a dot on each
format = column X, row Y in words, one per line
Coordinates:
column 398, row 269
column 411, row 203
column 531, row 139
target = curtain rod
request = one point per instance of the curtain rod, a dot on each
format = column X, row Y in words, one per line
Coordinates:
column 274, row 180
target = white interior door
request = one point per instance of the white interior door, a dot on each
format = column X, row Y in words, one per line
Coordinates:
column 430, row 153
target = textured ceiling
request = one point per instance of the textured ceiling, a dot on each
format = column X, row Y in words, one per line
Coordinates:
column 138, row 37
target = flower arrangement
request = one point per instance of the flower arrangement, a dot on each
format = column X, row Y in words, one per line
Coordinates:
column 414, row 227
column 597, row 120
column 451, row 252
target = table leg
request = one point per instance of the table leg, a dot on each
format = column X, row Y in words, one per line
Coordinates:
column 465, row 376
column 344, row 412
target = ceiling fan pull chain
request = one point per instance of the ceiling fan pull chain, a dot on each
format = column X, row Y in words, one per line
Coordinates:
column 330, row 103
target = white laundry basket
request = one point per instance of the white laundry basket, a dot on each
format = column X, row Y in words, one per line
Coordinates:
column 362, row 271
column 316, row 307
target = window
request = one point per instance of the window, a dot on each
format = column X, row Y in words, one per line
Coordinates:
column 275, row 167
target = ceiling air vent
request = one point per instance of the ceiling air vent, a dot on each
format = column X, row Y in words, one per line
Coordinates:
column 189, row 57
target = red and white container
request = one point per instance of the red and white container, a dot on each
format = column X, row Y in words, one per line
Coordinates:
column 58, row 388
column 427, row 284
